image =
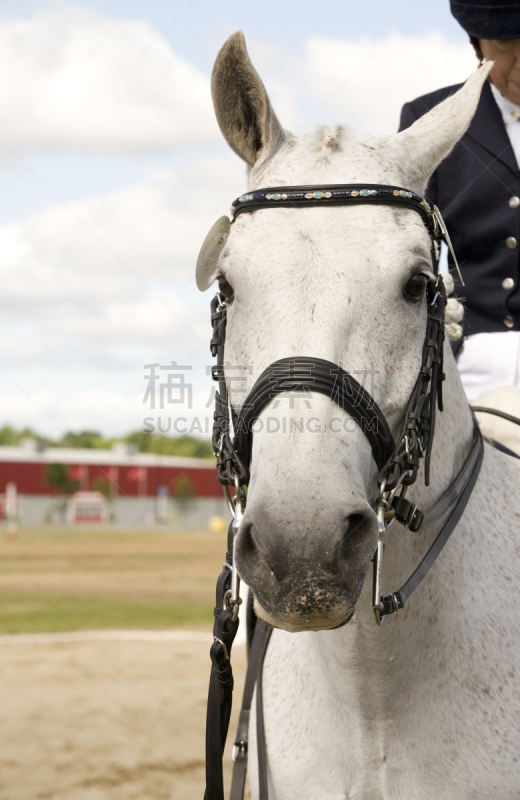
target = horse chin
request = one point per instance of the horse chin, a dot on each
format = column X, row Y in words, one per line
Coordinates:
column 297, row 623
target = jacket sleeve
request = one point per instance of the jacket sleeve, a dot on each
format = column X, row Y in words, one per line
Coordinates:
column 408, row 117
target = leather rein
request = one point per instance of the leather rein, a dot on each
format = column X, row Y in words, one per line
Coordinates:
column 397, row 462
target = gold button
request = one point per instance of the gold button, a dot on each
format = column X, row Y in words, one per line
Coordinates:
column 509, row 322
column 514, row 202
column 508, row 283
column 511, row 242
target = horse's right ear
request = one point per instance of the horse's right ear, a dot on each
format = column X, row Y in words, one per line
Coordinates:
column 244, row 112
column 431, row 138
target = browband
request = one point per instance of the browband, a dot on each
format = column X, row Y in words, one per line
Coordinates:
column 335, row 195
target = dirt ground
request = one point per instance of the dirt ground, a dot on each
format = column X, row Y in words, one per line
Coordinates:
column 101, row 717
column 105, row 720
column 113, row 564
column 70, row 579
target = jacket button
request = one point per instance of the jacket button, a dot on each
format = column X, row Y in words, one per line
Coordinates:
column 511, row 242
column 509, row 322
column 514, row 202
column 508, row 283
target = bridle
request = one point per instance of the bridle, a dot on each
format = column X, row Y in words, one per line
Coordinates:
column 397, row 461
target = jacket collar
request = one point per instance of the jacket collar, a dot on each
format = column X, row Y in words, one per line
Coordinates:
column 488, row 129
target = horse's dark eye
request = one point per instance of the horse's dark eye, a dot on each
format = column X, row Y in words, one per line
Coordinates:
column 224, row 287
column 416, row 287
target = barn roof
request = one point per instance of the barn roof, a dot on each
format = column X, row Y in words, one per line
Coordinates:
column 116, row 457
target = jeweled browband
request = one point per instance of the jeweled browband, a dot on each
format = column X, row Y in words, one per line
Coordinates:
column 335, row 194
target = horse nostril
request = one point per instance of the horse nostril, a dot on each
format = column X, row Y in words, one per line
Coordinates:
column 251, row 560
column 246, row 541
column 354, row 523
column 260, row 556
column 354, row 541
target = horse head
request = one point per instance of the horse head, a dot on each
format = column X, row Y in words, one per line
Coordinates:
column 336, row 283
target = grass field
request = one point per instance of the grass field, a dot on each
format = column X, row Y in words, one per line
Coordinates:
column 54, row 579
column 105, row 720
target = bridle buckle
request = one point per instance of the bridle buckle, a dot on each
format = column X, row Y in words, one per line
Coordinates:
column 240, row 746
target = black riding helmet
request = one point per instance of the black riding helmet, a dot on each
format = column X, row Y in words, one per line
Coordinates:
column 488, row 19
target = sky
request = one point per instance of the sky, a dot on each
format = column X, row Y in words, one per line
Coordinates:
column 112, row 170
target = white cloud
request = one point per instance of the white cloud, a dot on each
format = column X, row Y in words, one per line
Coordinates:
column 73, row 75
column 80, row 79
column 53, row 413
column 69, row 272
column 71, row 276
column 362, row 83
column 111, row 411
column 365, row 83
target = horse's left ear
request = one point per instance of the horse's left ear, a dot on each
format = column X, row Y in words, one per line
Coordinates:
column 242, row 105
column 431, row 138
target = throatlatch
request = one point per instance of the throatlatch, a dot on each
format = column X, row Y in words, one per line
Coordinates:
column 398, row 463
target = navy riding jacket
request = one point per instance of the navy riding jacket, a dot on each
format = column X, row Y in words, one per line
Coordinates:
column 477, row 190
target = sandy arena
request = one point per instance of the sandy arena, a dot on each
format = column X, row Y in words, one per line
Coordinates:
column 105, row 720
column 104, row 713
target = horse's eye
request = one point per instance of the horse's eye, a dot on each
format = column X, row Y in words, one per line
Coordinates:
column 225, row 288
column 416, row 287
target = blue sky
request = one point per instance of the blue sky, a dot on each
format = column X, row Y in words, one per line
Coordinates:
column 112, row 169
column 196, row 29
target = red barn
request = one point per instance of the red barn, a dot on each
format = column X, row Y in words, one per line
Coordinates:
column 140, row 487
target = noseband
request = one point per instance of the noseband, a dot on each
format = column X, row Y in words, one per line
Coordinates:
column 397, row 461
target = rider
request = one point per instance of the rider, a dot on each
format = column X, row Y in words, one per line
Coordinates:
column 477, row 190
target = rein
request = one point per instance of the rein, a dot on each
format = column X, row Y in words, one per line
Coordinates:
column 398, row 462
column 496, row 413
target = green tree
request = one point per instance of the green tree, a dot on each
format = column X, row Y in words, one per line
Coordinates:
column 85, row 440
column 57, row 475
column 140, row 440
column 186, row 446
column 183, row 493
column 9, row 437
column 103, row 485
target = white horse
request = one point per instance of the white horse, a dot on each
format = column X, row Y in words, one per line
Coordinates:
column 426, row 707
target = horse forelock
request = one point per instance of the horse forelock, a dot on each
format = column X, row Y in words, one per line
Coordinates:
column 333, row 154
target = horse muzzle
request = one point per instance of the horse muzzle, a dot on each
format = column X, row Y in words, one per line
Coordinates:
column 305, row 579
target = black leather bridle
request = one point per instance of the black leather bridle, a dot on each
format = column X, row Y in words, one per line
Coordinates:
column 398, row 462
